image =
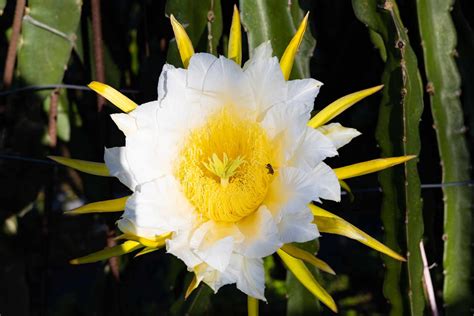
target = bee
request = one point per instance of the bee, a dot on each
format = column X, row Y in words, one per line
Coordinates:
column 270, row 169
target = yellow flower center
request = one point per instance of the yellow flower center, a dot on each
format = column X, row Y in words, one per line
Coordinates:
column 225, row 167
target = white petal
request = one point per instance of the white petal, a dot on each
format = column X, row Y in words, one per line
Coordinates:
column 117, row 163
column 214, row 242
column 216, row 82
column 178, row 245
column 326, row 183
column 314, row 148
column 261, row 52
column 266, row 81
column 301, row 93
column 125, row 122
column 158, row 207
column 339, row 134
column 171, row 85
column 249, row 274
column 291, row 190
column 212, row 277
column 261, row 234
column 146, row 115
column 297, row 226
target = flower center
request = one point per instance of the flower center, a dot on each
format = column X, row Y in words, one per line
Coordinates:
column 225, row 167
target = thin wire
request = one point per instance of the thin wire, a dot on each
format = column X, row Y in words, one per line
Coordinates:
column 57, row 86
column 469, row 183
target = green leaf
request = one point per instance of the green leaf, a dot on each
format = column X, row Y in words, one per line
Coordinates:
column 202, row 20
column 398, row 135
column 444, row 87
column 47, row 38
column 276, row 21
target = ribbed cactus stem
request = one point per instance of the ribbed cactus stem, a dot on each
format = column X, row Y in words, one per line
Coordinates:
column 398, row 134
column 439, row 43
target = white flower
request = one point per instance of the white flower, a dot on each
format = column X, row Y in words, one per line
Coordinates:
column 226, row 162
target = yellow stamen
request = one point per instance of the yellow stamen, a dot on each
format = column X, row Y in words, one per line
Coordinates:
column 333, row 224
column 301, row 272
column 115, row 97
column 115, row 205
column 234, row 50
column 185, row 46
column 226, row 189
column 339, row 106
column 90, row 167
column 370, row 166
column 252, row 306
column 307, row 257
column 288, row 58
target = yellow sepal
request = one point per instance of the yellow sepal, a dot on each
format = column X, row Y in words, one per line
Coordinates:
column 288, row 58
column 301, row 272
column 90, row 167
column 252, row 306
column 347, row 188
column 192, row 286
column 370, row 166
column 107, row 253
column 158, row 242
column 185, row 46
column 339, row 106
column 115, row 205
column 333, row 224
column 115, row 97
column 234, row 50
column 145, row 251
column 299, row 253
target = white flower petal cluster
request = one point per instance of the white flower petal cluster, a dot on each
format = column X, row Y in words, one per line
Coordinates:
column 225, row 252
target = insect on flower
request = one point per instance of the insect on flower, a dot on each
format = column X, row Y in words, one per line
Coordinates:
column 226, row 165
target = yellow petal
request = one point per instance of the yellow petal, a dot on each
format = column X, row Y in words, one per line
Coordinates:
column 340, row 105
column 288, row 58
column 185, row 46
column 370, row 166
column 234, row 50
column 346, row 187
column 158, row 242
column 145, row 251
column 115, row 205
column 252, row 306
column 90, row 167
column 192, row 286
column 307, row 257
column 115, row 97
column 107, row 253
column 301, row 272
column 333, row 224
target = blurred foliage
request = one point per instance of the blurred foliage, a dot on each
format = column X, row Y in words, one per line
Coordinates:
column 56, row 46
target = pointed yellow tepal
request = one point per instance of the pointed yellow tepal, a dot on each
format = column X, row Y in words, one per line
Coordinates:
column 288, row 58
column 90, row 167
column 107, row 253
column 370, row 166
column 185, row 46
column 333, row 224
column 299, row 253
column 192, row 286
column 301, row 272
column 115, row 97
column 115, row 205
column 339, row 106
column 234, row 50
